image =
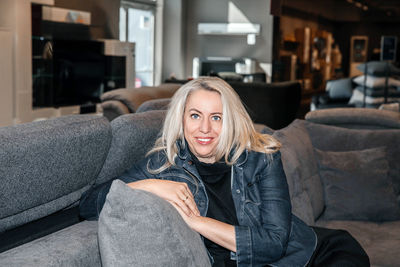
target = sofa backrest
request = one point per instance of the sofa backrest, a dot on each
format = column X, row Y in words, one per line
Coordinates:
column 45, row 166
column 332, row 138
column 133, row 136
column 356, row 118
column 300, row 166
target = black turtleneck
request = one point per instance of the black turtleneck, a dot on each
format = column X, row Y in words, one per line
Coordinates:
column 217, row 181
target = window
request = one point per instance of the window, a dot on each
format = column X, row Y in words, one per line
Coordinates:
column 137, row 24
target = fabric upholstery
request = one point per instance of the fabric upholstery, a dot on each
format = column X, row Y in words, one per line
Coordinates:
column 380, row 240
column 331, row 138
column 51, row 162
column 137, row 228
column 378, row 92
column 72, row 246
column 339, row 89
column 378, row 68
column 154, row 104
column 357, row 186
column 132, row 98
column 114, row 108
column 301, row 170
column 358, row 97
column 373, row 82
column 356, row 118
column 133, row 136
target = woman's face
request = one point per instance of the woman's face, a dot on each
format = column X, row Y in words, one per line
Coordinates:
column 202, row 123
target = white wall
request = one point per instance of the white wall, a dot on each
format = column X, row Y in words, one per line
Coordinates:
column 256, row 11
column 182, row 43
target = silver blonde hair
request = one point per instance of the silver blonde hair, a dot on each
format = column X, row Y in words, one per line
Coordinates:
column 237, row 132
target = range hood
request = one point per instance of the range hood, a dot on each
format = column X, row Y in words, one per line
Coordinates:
column 228, row 28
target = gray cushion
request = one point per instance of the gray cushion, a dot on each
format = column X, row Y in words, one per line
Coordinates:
column 330, row 138
column 137, row 228
column 301, row 171
column 72, row 246
column 379, row 68
column 133, row 136
column 154, row 104
column 357, row 186
column 341, row 88
column 46, row 165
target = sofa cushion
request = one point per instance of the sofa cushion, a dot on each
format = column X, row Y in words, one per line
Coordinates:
column 301, row 171
column 357, row 186
column 339, row 89
column 52, row 162
column 133, row 136
column 137, row 228
column 331, row 138
column 373, row 82
column 380, row 240
column 72, row 246
column 378, row 68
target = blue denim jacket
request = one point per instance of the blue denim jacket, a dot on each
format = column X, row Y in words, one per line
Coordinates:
column 267, row 233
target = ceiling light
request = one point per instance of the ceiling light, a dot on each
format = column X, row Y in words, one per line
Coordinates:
column 358, row 4
column 350, row 1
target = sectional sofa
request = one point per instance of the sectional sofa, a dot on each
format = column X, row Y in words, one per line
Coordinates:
column 47, row 165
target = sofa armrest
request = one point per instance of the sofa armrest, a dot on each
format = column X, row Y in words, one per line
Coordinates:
column 72, row 246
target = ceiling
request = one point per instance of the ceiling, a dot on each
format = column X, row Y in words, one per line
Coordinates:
column 348, row 10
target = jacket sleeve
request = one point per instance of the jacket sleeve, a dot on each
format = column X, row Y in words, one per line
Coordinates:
column 266, row 241
column 93, row 199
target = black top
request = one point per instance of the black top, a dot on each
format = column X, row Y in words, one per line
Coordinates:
column 217, row 181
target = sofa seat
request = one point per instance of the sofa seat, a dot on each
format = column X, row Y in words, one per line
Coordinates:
column 72, row 246
column 381, row 241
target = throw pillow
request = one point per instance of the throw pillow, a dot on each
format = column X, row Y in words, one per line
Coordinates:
column 339, row 89
column 357, row 186
column 358, row 97
column 375, row 82
column 379, row 68
column 137, row 228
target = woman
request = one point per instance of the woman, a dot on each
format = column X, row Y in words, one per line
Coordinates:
column 225, row 179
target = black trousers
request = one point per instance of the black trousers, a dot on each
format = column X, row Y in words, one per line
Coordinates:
column 337, row 248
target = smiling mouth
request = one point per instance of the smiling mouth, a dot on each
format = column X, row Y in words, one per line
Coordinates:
column 204, row 141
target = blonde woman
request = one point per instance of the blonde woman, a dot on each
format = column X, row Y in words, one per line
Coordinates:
column 225, row 179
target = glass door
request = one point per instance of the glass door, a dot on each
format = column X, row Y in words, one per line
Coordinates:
column 137, row 25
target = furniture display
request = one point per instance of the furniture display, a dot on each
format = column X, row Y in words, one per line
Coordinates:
column 377, row 85
column 127, row 100
column 280, row 101
column 47, row 165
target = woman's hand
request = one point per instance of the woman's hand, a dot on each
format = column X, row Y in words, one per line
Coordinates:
column 176, row 193
column 216, row 231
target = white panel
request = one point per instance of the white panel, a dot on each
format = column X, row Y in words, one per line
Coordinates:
column 6, row 84
column 228, row 28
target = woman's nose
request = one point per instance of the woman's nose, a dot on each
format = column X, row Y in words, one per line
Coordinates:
column 205, row 126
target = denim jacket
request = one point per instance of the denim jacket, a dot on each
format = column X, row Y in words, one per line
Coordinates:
column 268, row 233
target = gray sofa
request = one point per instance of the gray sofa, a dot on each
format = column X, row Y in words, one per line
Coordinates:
column 45, row 167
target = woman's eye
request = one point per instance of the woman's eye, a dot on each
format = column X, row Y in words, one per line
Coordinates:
column 216, row 118
column 194, row 116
